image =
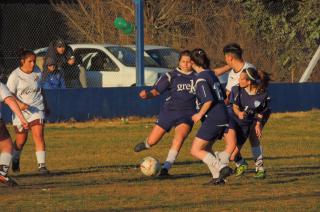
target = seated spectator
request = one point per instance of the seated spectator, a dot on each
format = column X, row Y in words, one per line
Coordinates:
column 52, row 76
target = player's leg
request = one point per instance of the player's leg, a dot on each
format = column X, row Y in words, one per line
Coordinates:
column 218, row 170
column 241, row 164
column 230, row 145
column 153, row 138
column 21, row 136
column 163, row 124
column 37, row 128
column 5, row 155
column 181, row 132
column 257, row 154
column 256, row 147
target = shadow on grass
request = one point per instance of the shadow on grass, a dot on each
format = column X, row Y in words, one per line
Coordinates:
column 221, row 202
column 106, row 181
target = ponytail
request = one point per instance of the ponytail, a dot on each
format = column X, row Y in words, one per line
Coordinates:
column 200, row 58
column 265, row 78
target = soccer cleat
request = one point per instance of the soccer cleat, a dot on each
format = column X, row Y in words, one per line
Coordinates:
column 164, row 173
column 139, row 147
column 216, row 181
column 43, row 169
column 8, row 181
column 225, row 172
column 239, row 171
column 261, row 174
column 15, row 165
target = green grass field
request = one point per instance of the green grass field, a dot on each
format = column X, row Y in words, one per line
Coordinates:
column 93, row 169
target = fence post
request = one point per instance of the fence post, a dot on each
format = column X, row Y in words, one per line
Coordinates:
column 311, row 66
column 139, row 43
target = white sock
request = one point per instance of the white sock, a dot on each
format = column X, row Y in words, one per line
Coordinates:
column 258, row 158
column 172, row 155
column 5, row 159
column 224, row 157
column 213, row 164
column 41, row 157
column 146, row 144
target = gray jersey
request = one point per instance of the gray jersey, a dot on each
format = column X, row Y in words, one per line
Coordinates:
column 233, row 78
column 27, row 87
column 4, row 93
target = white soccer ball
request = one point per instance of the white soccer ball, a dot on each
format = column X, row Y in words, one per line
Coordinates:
column 150, row 166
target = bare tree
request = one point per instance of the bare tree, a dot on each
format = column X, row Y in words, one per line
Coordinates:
column 183, row 24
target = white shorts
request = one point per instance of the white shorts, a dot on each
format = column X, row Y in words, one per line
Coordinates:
column 30, row 115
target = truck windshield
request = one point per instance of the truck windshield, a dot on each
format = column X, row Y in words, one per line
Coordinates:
column 127, row 56
column 166, row 57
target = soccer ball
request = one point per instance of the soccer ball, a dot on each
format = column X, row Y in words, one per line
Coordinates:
column 150, row 166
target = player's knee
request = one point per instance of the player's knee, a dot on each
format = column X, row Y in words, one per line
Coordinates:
column 194, row 152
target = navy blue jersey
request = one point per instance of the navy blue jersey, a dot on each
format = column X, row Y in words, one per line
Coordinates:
column 208, row 88
column 251, row 104
column 181, row 90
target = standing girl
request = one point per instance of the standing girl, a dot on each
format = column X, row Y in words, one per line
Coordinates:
column 5, row 139
column 214, row 117
column 250, row 103
column 176, row 111
column 25, row 83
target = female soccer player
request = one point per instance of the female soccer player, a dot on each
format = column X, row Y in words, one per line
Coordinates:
column 177, row 110
column 250, row 102
column 5, row 139
column 212, row 113
column 25, row 83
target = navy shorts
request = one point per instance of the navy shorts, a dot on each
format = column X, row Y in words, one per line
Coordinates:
column 211, row 131
column 171, row 118
column 4, row 134
column 242, row 131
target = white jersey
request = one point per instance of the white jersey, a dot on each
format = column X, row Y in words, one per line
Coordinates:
column 233, row 78
column 27, row 87
column 4, row 93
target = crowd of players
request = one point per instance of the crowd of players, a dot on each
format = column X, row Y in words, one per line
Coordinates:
column 236, row 113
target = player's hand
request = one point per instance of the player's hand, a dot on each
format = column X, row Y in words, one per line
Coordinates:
column 258, row 129
column 22, row 105
column 143, row 94
column 242, row 115
column 24, row 123
column 196, row 117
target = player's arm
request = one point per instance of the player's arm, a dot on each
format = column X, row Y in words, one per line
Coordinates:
column 12, row 86
column 159, row 87
column 262, row 113
column 12, row 103
column 204, row 109
column 203, row 93
column 148, row 94
column 22, row 105
column 236, row 109
column 221, row 70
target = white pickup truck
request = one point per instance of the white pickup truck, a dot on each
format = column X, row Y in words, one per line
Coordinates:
column 110, row 65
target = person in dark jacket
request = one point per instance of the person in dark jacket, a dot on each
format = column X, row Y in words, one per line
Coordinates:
column 60, row 52
column 71, row 71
